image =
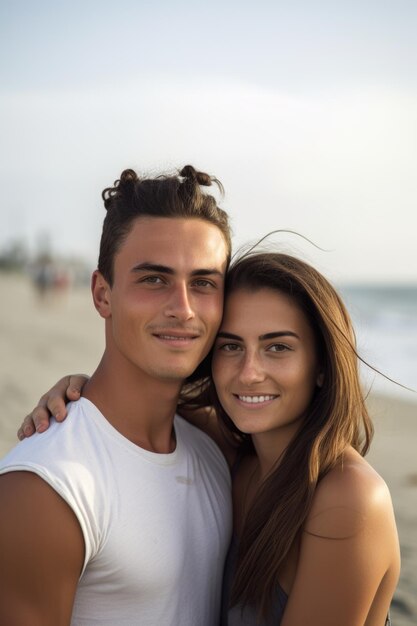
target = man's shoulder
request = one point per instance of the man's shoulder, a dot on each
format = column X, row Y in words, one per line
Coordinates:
column 61, row 442
column 191, row 432
column 198, row 442
column 42, row 547
column 62, row 460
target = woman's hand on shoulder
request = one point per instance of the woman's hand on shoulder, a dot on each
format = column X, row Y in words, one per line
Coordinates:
column 52, row 403
column 348, row 546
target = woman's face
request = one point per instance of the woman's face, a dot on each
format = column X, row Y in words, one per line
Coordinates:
column 265, row 361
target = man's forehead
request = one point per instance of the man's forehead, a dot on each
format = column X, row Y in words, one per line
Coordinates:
column 159, row 226
column 177, row 243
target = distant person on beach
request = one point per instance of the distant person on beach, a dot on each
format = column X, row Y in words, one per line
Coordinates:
column 123, row 515
column 43, row 275
column 314, row 535
column 49, row 277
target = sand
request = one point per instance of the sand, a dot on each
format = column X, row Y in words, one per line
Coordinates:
column 42, row 339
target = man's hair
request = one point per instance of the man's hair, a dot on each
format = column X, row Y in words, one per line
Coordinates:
column 177, row 195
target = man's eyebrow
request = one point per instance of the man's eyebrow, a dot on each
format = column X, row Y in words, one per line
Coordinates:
column 281, row 333
column 152, row 267
column 207, row 271
column 165, row 269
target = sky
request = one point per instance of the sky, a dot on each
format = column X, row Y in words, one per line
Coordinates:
column 306, row 111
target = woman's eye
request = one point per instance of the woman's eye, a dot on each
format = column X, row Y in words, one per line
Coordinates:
column 229, row 347
column 278, row 347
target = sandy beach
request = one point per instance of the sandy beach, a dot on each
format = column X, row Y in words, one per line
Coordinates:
column 42, row 339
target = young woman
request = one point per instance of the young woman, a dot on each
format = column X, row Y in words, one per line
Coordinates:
column 315, row 540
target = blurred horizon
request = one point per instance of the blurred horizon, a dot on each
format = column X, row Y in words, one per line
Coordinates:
column 306, row 112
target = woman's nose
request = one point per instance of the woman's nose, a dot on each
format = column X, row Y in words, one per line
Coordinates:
column 252, row 370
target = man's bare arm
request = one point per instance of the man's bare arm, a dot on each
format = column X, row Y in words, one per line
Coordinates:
column 42, row 553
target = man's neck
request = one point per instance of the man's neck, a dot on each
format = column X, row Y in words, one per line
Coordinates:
column 140, row 407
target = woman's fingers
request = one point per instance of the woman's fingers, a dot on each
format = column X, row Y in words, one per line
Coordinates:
column 27, row 427
column 52, row 403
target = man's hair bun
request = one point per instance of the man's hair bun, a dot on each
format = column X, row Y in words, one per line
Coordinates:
column 192, row 178
column 189, row 173
column 124, row 187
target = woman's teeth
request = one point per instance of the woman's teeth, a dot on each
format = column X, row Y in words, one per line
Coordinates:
column 256, row 399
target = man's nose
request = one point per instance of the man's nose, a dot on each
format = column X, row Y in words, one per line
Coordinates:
column 179, row 304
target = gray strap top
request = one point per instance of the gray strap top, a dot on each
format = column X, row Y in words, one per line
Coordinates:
column 246, row 616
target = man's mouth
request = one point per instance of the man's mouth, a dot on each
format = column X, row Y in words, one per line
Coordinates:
column 176, row 337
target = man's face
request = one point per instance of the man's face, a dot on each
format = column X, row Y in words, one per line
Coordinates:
column 166, row 302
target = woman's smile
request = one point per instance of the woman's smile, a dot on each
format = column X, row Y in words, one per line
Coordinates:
column 265, row 365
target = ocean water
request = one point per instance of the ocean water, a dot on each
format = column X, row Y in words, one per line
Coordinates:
column 385, row 321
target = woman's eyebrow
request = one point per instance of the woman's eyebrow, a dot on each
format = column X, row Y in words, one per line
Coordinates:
column 225, row 335
column 281, row 333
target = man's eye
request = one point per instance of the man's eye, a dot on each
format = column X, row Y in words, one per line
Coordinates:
column 203, row 282
column 151, row 280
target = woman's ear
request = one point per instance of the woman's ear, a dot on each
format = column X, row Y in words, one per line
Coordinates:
column 320, row 379
column 101, row 293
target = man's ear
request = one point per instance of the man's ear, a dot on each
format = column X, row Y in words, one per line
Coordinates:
column 101, row 292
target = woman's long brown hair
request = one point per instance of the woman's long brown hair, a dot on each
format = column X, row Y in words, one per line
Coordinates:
column 336, row 418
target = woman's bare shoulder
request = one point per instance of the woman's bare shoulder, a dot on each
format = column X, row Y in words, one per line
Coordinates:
column 350, row 498
column 349, row 558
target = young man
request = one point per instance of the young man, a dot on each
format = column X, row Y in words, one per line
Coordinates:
column 130, row 505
